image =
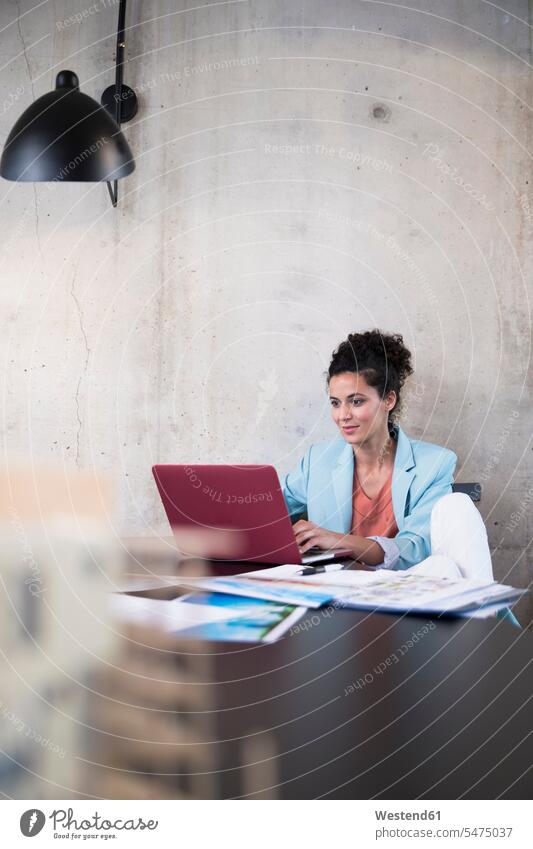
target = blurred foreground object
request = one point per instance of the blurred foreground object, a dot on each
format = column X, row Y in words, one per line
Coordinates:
column 156, row 721
column 153, row 719
column 58, row 562
column 154, row 734
column 92, row 706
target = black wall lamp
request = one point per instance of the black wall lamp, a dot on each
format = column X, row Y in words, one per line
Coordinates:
column 65, row 135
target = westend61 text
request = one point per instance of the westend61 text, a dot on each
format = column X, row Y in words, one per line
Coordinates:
column 407, row 815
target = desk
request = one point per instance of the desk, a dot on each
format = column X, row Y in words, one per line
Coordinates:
column 347, row 707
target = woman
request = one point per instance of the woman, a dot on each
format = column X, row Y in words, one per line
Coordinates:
column 386, row 497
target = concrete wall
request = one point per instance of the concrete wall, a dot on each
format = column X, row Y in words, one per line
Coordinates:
column 304, row 169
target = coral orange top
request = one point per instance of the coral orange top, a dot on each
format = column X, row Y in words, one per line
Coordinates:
column 373, row 516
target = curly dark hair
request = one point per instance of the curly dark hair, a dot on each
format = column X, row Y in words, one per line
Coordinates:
column 381, row 358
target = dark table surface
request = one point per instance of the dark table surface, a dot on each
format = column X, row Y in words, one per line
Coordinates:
column 373, row 706
column 379, row 706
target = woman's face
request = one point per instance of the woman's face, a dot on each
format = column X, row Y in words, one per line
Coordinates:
column 358, row 409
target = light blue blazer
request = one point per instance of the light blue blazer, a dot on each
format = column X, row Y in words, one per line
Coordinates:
column 321, row 488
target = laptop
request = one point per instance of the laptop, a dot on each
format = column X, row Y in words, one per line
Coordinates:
column 245, row 503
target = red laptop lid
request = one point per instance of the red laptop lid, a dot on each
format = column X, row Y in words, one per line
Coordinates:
column 244, row 502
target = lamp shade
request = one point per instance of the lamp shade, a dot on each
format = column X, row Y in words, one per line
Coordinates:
column 65, row 135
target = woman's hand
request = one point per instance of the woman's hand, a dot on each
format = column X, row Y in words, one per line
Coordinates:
column 308, row 534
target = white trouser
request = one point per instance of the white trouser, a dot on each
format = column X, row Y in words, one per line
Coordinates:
column 459, row 542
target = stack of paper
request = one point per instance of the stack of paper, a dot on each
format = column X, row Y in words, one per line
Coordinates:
column 210, row 616
column 395, row 592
